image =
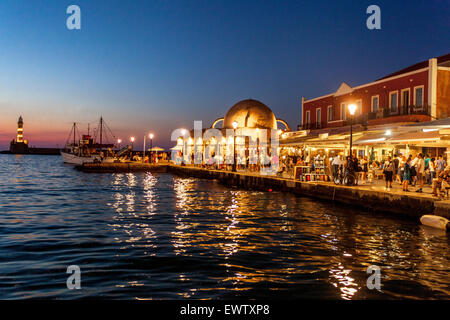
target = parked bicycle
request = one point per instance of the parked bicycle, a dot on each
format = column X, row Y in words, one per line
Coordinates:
column 346, row 176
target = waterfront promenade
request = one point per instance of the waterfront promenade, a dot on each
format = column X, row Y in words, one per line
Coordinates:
column 368, row 196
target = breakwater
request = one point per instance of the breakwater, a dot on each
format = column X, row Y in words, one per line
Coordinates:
column 122, row 167
column 401, row 204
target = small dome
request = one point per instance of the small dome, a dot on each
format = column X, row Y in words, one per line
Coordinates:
column 250, row 114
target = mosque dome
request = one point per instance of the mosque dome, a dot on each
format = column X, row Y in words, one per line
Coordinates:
column 250, row 114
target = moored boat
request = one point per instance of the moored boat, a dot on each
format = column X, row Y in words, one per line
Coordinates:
column 86, row 150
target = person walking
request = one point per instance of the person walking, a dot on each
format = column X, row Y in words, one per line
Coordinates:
column 420, row 171
column 388, row 170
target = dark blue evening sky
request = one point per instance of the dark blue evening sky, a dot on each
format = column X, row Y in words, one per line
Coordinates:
column 158, row 65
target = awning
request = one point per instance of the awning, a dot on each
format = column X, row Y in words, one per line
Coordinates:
column 372, row 139
column 441, row 123
column 416, row 136
column 157, row 149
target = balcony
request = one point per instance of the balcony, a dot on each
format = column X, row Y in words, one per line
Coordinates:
column 385, row 112
column 312, row 126
column 376, row 117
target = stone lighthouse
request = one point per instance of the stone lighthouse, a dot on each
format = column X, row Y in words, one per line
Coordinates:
column 19, row 145
column 20, row 130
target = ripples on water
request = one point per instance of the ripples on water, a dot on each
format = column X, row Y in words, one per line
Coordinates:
column 160, row 236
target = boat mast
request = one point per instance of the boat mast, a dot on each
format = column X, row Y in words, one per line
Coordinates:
column 74, row 128
column 101, row 127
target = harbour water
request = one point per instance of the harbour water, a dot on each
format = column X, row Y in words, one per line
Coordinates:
column 144, row 236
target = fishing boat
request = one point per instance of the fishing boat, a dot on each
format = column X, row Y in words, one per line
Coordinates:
column 86, row 150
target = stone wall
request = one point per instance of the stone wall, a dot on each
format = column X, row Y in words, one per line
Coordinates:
column 403, row 205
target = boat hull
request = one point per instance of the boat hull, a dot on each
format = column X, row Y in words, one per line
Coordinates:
column 74, row 159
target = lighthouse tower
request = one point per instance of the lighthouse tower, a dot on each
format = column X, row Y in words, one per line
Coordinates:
column 20, row 130
column 19, row 145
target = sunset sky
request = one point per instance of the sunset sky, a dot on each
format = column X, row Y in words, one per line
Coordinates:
column 157, row 65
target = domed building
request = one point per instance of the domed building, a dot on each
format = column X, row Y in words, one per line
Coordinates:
column 252, row 117
column 250, row 114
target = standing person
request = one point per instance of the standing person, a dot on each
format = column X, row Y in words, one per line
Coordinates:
column 420, row 170
column 401, row 162
column 396, row 164
column 432, row 168
column 335, row 164
column 365, row 168
column 388, row 169
column 440, row 165
column 427, row 169
column 307, row 160
column 413, row 172
column 407, row 173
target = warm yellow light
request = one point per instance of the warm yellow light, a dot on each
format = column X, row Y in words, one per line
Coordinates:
column 151, row 135
column 235, row 124
column 352, row 108
column 119, row 140
column 183, row 132
column 279, row 132
column 132, row 139
column 213, row 141
column 388, row 132
column 190, row 140
column 224, row 140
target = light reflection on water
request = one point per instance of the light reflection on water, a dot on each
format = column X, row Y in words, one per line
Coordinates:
column 150, row 236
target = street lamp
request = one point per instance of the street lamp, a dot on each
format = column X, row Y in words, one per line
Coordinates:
column 119, row 141
column 235, row 124
column 132, row 144
column 151, row 146
column 151, row 141
column 257, row 146
column 352, row 110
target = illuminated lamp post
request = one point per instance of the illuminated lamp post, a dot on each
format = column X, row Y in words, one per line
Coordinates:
column 257, row 145
column 132, row 144
column 352, row 110
column 151, row 135
column 234, row 145
column 183, row 148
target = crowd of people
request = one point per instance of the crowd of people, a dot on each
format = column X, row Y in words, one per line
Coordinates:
column 154, row 157
column 406, row 171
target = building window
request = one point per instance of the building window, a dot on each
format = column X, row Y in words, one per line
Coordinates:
column 308, row 118
column 393, row 101
column 375, row 103
column 358, row 107
column 405, row 97
column 318, row 115
column 343, row 111
column 330, row 113
column 418, row 96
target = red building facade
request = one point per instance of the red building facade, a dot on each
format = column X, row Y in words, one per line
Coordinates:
column 418, row 93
